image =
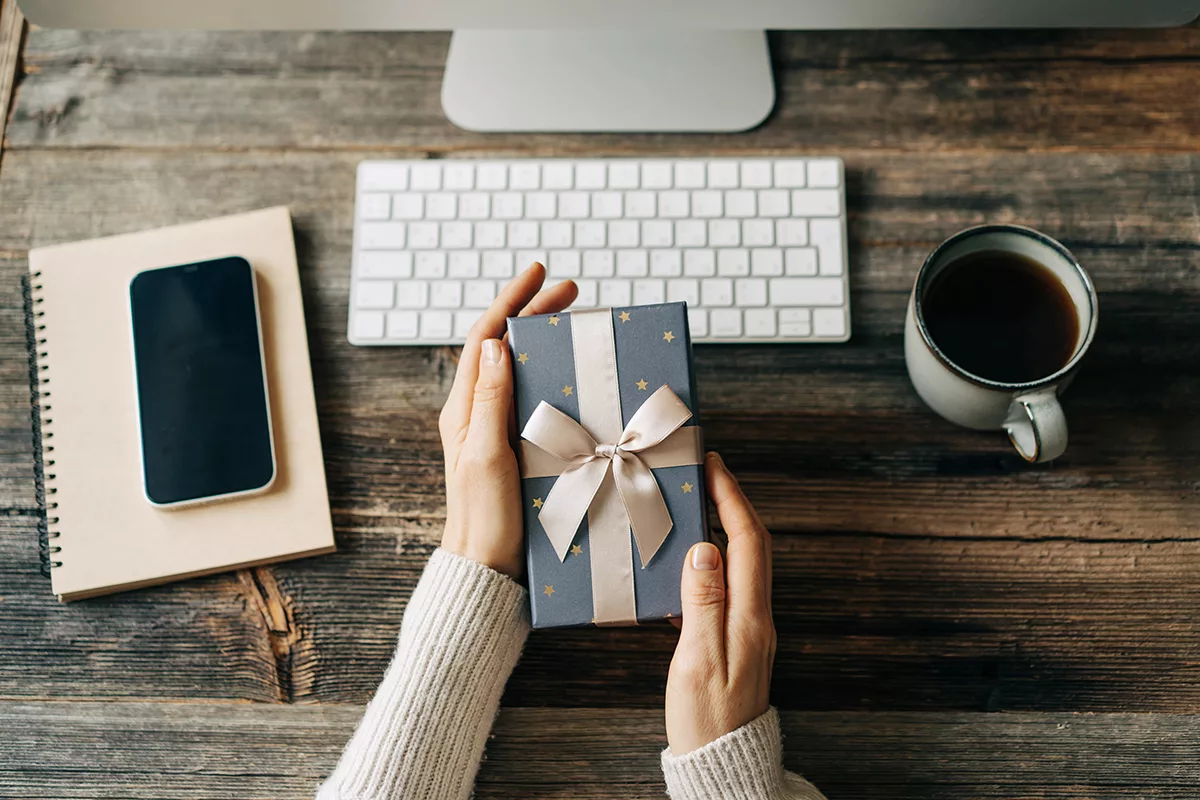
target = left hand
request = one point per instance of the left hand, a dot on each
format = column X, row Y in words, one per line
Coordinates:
column 483, row 486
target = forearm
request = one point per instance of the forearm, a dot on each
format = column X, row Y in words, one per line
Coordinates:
column 423, row 734
column 746, row 764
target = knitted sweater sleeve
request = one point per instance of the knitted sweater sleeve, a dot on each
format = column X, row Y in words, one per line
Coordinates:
column 746, row 764
column 423, row 734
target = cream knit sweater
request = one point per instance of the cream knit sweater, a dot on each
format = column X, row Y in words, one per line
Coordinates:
column 423, row 734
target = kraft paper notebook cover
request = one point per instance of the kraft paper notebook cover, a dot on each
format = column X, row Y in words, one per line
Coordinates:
column 103, row 534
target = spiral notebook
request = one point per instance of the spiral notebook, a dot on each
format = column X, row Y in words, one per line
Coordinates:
column 98, row 533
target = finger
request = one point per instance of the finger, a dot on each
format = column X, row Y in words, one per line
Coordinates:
column 702, row 590
column 491, row 403
column 513, row 297
column 748, row 551
column 556, row 298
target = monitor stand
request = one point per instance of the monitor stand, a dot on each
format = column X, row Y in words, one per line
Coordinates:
column 653, row 81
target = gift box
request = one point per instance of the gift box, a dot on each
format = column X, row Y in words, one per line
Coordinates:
column 611, row 455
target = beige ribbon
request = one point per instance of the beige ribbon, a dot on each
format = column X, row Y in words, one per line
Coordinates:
column 589, row 470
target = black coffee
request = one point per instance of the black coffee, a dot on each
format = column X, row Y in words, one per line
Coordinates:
column 1002, row 317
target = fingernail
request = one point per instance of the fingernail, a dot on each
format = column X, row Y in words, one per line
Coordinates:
column 705, row 557
column 491, row 352
column 715, row 460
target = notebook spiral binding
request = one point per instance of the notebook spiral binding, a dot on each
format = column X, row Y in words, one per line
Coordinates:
column 39, row 393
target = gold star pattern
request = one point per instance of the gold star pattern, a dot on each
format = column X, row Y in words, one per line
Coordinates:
column 548, row 591
column 523, row 357
column 687, row 488
column 538, row 502
column 624, row 317
column 576, row 550
column 567, row 391
column 669, row 615
column 668, row 336
column 553, row 321
column 641, row 386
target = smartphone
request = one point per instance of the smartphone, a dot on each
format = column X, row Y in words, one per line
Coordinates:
column 202, row 402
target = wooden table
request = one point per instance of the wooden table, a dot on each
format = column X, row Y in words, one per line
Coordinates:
column 952, row 623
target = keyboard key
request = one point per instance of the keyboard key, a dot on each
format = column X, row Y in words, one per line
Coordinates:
column 402, row 324
column 541, row 205
column 800, row 261
column 689, row 175
column 423, row 235
column 684, row 290
column 697, row 322
column 756, row 174
column 691, row 233
column 816, row 203
column 750, row 292
column 381, row 235
column 498, row 264
column 441, row 205
column 830, row 322
column 458, row 177
column 490, row 235
column 464, row 265
column 768, row 263
column 789, row 174
column 524, row 234
column 408, row 206
column 375, row 205
column 557, row 175
column 599, row 264
column 673, row 205
column 826, row 236
column 716, row 292
column 807, row 292
column 791, row 232
column 795, row 322
column 657, row 233
column 436, row 325
column 368, row 325
column 591, row 175
column 491, row 177
column 382, row 177
column 699, row 263
column 733, row 263
column 557, row 234
column 607, row 205
column 615, row 293
column 385, row 264
column 456, row 235
column 426, row 177
column 640, row 205
column 724, row 233
column 564, row 264
column 374, row 294
column 508, row 205
column 774, row 203
column 758, row 232
column 574, row 205
column 825, row 173
column 648, row 291
column 479, row 294
column 590, row 234
column 589, row 293
column 526, row 258
column 445, row 294
column 666, row 263
column 431, row 265
column 722, row 175
column 656, row 175
column 740, row 203
column 624, row 234
column 707, row 205
column 463, row 320
column 632, row 264
column 412, row 294
column 726, row 323
column 524, row 177
column 475, row 205
column 623, row 175
column 760, row 323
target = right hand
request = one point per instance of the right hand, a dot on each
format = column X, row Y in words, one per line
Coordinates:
column 720, row 677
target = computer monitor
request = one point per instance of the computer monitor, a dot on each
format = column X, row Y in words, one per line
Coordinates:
column 607, row 65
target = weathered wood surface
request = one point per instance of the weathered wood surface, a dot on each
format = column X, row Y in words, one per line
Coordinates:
column 198, row 751
column 918, row 567
column 12, row 29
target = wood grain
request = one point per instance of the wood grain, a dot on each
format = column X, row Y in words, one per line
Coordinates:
column 198, row 751
column 12, row 30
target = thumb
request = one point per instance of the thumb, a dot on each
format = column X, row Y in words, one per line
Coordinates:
column 492, row 402
column 702, row 590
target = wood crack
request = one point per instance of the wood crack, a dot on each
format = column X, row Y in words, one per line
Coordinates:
column 283, row 634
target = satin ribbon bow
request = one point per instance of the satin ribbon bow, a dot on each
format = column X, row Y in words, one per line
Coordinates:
column 587, row 462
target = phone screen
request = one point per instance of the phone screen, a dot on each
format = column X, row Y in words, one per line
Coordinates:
column 202, row 393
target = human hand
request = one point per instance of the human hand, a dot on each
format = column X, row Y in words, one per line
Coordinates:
column 720, row 677
column 483, row 488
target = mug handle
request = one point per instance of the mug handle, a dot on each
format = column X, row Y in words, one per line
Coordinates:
column 1037, row 426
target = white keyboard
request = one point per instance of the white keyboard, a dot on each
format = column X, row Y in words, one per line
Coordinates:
column 756, row 247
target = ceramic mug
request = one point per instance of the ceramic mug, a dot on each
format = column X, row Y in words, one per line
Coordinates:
column 1029, row 412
